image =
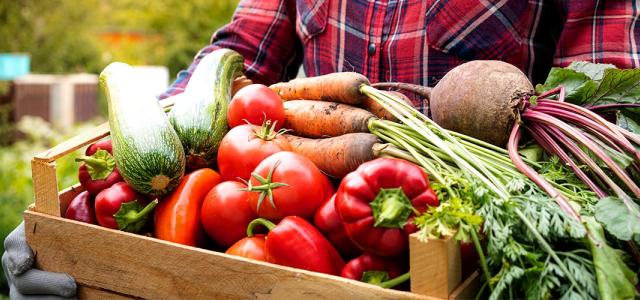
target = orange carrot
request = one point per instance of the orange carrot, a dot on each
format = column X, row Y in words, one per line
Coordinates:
column 336, row 156
column 379, row 111
column 239, row 83
column 316, row 119
column 340, row 87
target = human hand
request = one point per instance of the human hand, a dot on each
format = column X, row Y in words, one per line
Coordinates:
column 24, row 281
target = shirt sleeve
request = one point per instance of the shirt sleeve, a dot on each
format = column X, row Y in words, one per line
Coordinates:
column 264, row 33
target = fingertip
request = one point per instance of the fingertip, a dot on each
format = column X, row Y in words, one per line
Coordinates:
column 68, row 287
column 18, row 263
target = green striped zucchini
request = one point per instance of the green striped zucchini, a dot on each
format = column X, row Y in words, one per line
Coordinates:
column 147, row 150
column 200, row 116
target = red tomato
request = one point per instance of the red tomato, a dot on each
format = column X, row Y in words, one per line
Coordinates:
column 305, row 187
column 244, row 147
column 226, row 213
column 250, row 247
column 252, row 103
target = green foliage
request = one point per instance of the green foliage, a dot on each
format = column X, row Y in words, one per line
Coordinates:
column 615, row 279
column 175, row 30
column 15, row 172
column 58, row 34
column 453, row 217
column 518, row 261
column 596, row 84
column 7, row 128
column 67, row 38
column 620, row 218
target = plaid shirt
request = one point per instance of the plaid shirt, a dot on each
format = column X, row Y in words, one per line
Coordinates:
column 418, row 41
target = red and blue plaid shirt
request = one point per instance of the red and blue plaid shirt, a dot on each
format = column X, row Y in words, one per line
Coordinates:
column 418, row 41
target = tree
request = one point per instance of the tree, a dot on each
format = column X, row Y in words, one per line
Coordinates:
column 58, row 34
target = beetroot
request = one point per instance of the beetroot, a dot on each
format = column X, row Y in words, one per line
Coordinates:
column 480, row 98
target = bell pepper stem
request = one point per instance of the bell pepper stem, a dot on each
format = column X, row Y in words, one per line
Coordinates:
column 99, row 165
column 391, row 208
column 375, row 277
column 95, row 163
column 130, row 219
column 395, row 281
column 258, row 222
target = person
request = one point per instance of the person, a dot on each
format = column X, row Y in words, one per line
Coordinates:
column 411, row 41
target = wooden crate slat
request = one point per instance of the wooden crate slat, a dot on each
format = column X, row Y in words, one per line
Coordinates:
column 131, row 264
column 74, row 143
column 89, row 293
column 436, row 266
column 467, row 289
column 45, row 187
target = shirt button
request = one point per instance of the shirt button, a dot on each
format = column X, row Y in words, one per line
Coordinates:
column 372, row 49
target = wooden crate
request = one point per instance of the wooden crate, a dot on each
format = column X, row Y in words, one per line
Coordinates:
column 111, row 264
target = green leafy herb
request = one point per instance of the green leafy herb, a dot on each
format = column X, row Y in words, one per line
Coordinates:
column 454, row 217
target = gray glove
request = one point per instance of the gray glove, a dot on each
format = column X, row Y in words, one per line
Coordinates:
column 28, row 283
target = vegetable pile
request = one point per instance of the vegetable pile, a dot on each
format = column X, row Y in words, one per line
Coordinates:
column 331, row 174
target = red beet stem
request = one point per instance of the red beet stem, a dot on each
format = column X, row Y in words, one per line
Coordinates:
column 585, row 112
column 512, row 146
column 540, row 134
column 583, row 122
column 576, row 135
column 612, row 106
column 551, row 92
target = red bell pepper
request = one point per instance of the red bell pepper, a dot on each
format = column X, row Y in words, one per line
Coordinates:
column 103, row 144
column 377, row 202
column 177, row 218
column 384, row 271
column 469, row 258
column 81, row 209
column 328, row 222
column 294, row 242
column 120, row 207
column 250, row 247
column 98, row 169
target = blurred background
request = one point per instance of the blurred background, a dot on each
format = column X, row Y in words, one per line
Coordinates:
column 50, row 54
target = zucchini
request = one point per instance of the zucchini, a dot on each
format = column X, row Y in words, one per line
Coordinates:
column 200, row 116
column 147, row 150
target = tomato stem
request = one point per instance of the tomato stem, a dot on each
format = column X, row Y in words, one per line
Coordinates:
column 266, row 186
column 258, row 222
column 268, row 130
